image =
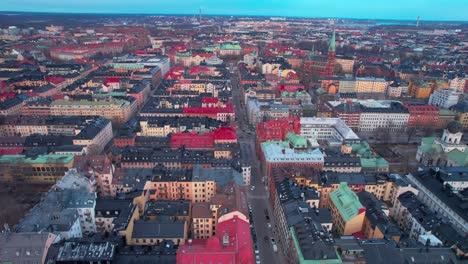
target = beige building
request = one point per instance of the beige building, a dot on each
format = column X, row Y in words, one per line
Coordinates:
column 117, row 110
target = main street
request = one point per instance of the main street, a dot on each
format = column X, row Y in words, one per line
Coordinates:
column 258, row 198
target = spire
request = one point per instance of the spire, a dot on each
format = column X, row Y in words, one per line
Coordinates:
column 332, row 46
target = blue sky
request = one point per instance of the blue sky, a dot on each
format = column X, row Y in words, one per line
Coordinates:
column 385, row 9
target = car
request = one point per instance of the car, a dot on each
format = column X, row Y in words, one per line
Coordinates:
column 265, row 238
column 256, row 250
column 267, row 218
column 252, row 188
column 269, row 225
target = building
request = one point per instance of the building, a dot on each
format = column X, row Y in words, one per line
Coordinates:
column 377, row 224
column 461, row 110
column 419, row 89
column 347, row 211
column 280, row 153
column 415, row 218
column 322, row 65
column 41, row 169
column 66, row 210
column 117, row 110
column 445, row 151
column 27, row 247
column 440, row 198
column 371, row 85
column 394, row 90
column 154, row 232
column 393, row 118
column 422, row 115
column 459, row 84
column 332, row 130
column 444, row 98
column 113, row 214
column 231, row 244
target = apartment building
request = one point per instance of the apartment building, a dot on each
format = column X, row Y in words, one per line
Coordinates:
column 347, row 211
column 445, row 98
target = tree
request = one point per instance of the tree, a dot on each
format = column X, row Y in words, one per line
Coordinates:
column 410, row 132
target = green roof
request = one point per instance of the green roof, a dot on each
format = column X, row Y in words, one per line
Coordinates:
column 86, row 102
column 333, row 42
column 231, row 47
column 346, row 201
column 374, row 163
column 184, row 54
column 446, row 112
column 296, row 141
column 111, row 94
column 461, row 158
column 41, row 159
column 362, row 149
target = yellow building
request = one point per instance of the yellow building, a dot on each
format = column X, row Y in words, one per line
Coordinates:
column 347, row 211
column 461, row 110
column 43, row 169
column 117, row 110
column 203, row 221
column 419, row 89
column 371, row 85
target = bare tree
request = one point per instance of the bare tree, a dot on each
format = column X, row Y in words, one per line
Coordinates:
column 410, row 132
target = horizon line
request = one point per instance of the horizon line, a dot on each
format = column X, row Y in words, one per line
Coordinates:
column 222, row 15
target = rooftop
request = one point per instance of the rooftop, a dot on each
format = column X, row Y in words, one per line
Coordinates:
column 347, row 202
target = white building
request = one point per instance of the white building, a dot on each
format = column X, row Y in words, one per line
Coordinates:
column 393, row 117
column 333, row 130
column 447, row 207
column 445, row 98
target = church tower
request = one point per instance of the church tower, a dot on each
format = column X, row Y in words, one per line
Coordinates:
column 331, row 55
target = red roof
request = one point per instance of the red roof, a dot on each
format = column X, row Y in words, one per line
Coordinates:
column 210, row 100
column 209, row 110
column 192, row 140
column 238, row 250
column 111, row 80
column 11, row 151
column 277, row 129
column 196, row 70
column 225, row 134
column 55, row 79
column 7, row 95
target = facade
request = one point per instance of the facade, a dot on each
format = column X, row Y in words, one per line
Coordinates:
column 279, row 153
column 347, row 211
column 394, row 118
column 117, row 110
column 444, row 98
column 371, row 85
column 422, row 115
column 43, row 169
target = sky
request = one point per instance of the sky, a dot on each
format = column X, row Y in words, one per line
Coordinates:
column 444, row 10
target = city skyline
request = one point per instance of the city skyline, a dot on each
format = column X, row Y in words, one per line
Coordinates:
column 433, row 10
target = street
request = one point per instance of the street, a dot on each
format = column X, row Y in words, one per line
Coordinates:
column 258, row 198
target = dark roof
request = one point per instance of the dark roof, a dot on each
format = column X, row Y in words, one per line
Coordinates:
column 160, row 228
column 454, row 127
